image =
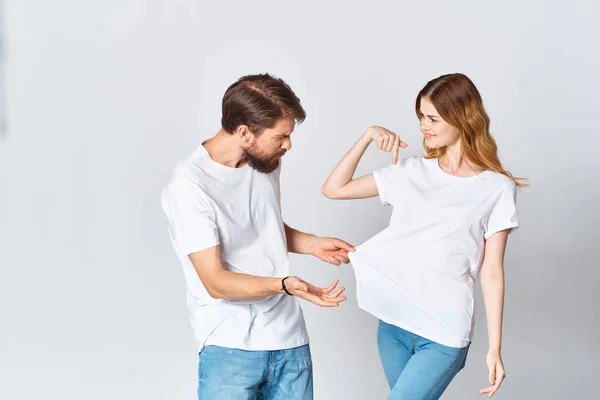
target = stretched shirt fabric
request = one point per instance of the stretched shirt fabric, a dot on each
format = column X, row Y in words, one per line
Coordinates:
column 419, row 272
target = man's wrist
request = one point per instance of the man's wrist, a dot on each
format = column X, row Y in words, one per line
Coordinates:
column 275, row 286
column 284, row 287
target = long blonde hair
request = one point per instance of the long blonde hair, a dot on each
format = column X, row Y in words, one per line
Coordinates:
column 459, row 103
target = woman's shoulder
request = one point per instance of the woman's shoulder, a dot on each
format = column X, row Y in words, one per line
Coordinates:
column 499, row 183
column 412, row 161
column 499, row 178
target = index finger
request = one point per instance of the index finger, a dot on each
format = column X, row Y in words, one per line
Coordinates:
column 330, row 287
column 396, row 150
column 496, row 386
column 321, row 302
column 343, row 245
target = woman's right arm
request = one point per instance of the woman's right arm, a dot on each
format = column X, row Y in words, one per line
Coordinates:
column 340, row 183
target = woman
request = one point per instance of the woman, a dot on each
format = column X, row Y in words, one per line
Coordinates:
column 453, row 210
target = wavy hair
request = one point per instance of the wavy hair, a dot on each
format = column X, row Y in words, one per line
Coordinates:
column 459, row 103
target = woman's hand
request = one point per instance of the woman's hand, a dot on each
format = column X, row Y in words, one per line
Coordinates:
column 386, row 140
column 496, row 373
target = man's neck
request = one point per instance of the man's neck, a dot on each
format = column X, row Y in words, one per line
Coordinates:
column 225, row 149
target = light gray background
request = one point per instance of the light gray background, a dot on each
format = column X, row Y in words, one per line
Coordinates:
column 103, row 97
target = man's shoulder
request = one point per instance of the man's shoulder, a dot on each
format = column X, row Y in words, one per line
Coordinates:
column 190, row 169
column 181, row 189
column 188, row 178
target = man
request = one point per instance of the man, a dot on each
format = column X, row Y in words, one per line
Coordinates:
column 224, row 215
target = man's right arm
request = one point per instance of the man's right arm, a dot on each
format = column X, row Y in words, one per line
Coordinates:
column 223, row 284
column 195, row 234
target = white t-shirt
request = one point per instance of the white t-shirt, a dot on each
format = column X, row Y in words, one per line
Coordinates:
column 207, row 204
column 419, row 272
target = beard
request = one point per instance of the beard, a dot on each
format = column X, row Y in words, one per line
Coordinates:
column 261, row 162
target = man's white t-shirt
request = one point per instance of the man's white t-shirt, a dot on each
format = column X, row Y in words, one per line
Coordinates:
column 419, row 272
column 209, row 204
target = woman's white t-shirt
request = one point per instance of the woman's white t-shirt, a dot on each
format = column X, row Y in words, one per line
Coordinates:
column 419, row 272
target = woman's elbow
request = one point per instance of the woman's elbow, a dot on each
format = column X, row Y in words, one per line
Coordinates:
column 329, row 192
column 492, row 274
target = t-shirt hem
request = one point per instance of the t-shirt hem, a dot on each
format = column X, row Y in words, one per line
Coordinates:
column 258, row 346
column 199, row 247
column 380, row 190
column 458, row 343
column 493, row 231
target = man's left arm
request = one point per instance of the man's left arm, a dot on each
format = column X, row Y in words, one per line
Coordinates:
column 330, row 250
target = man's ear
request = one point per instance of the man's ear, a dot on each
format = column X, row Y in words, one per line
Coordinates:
column 243, row 132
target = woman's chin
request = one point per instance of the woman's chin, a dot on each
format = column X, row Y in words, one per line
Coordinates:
column 432, row 144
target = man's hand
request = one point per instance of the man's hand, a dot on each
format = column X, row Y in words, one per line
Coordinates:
column 320, row 296
column 331, row 250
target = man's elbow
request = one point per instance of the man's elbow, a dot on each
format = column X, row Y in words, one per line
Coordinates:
column 213, row 289
column 215, row 293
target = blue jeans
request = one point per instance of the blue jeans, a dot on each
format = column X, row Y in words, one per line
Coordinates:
column 232, row 374
column 415, row 367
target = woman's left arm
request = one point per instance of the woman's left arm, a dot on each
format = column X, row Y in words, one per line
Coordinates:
column 492, row 286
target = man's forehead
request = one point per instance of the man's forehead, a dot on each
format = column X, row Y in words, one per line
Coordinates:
column 284, row 125
column 282, row 128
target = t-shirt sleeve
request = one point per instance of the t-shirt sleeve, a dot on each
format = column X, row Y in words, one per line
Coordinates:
column 385, row 180
column 504, row 212
column 191, row 224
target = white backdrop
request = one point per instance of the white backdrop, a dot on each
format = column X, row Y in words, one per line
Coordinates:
column 103, row 97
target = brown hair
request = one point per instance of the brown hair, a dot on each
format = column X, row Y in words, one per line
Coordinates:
column 459, row 103
column 258, row 101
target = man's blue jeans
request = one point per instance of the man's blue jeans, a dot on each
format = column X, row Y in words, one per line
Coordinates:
column 232, row 374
